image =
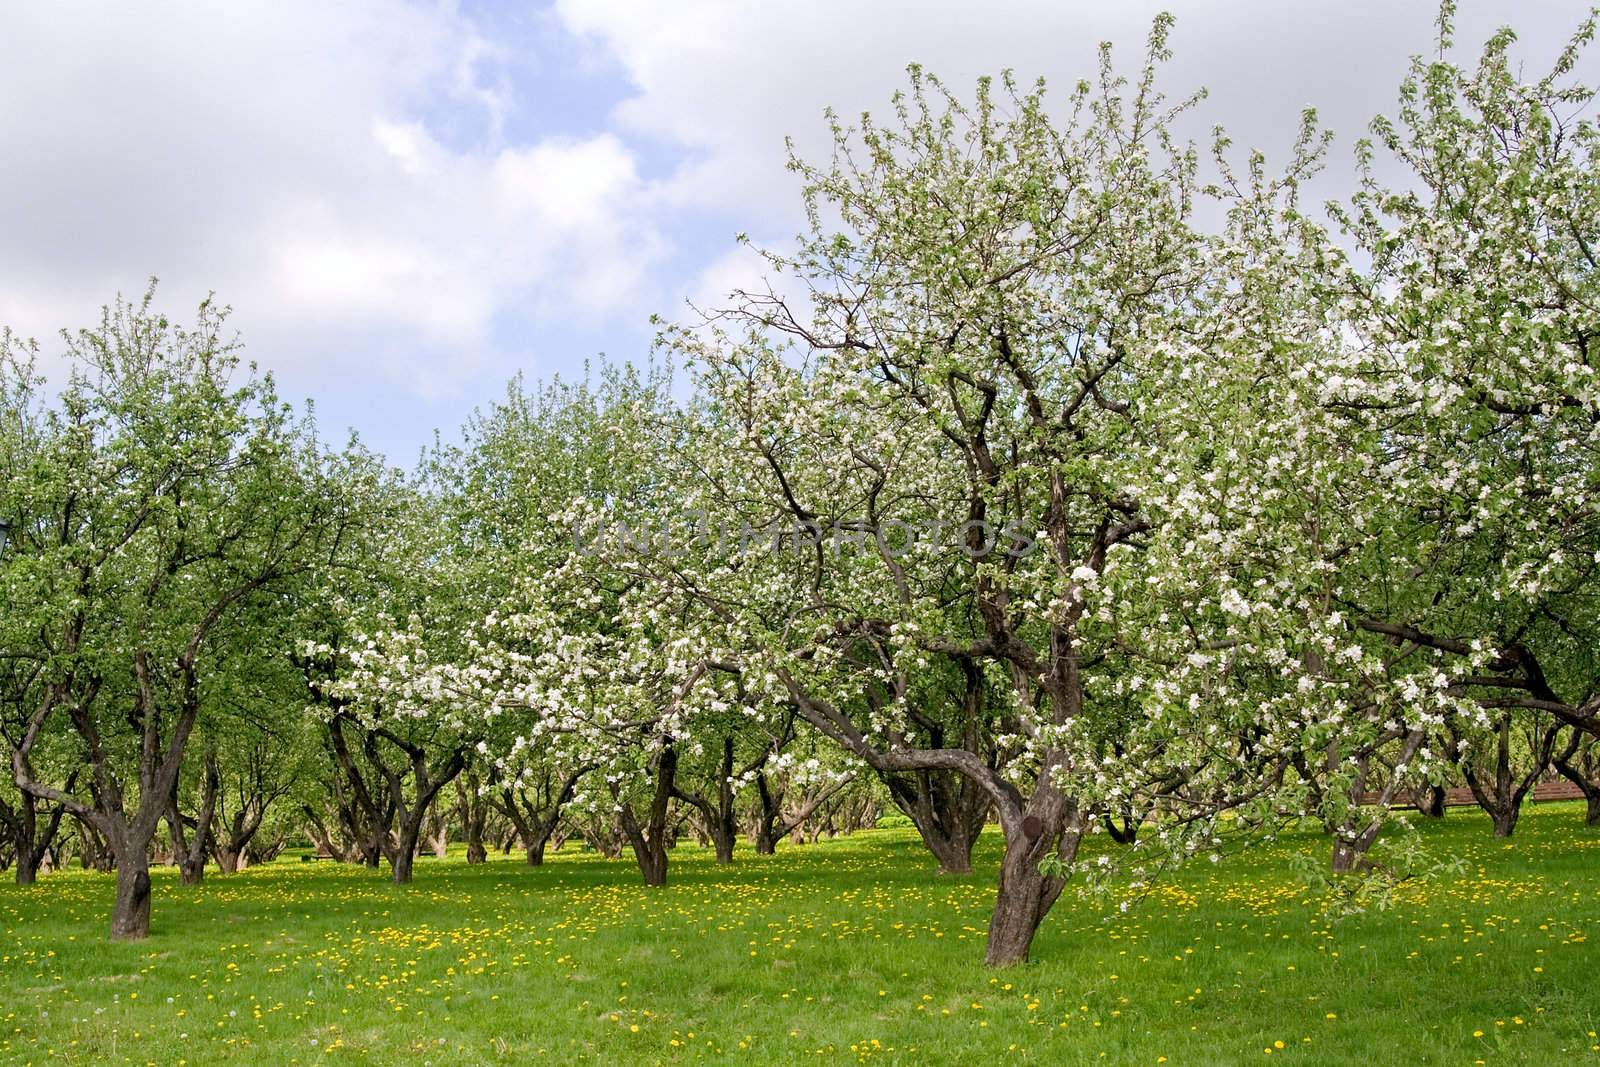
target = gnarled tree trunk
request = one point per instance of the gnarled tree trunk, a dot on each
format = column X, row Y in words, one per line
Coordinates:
column 536, row 817
column 1048, row 825
column 1502, row 792
column 130, row 915
column 649, row 840
column 772, row 824
column 31, row 843
column 948, row 810
column 1430, row 801
column 436, row 828
column 190, row 856
column 718, row 821
column 1579, row 763
column 472, row 810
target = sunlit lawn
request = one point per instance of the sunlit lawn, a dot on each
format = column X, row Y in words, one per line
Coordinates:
column 852, row 949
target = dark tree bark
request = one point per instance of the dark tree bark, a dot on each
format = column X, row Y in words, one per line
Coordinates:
column 772, row 824
column 1122, row 825
column 95, row 855
column 606, row 840
column 1352, row 843
column 190, row 856
column 1579, row 763
column 718, row 820
column 366, row 815
column 403, row 857
column 30, row 842
column 1046, row 825
column 649, row 839
column 536, row 815
column 258, row 789
column 948, row 810
column 436, row 829
column 1355, row 832
column 1501, row 793
column 1430, row 801
column 428, row 779
column 1025, row 894
column 130, row 915
column 472, row 811
column 128, row 835
column 856, row 812
column 768, row 816
column 263, row 850
column 317, row 830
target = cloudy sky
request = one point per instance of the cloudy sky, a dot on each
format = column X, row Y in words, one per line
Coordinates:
column 405, row 203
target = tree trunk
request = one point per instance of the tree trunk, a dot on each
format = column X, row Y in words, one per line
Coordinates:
column 535, row 821
column 718, row 822
column 1123, row 824
column 953, row 851
column 767, row 817
column 652, row 857
column 366, row 822
column 1019, row 908
column 318, row 832
column 97, row 855
column 191, row 869
column 428, row 780
column 770, row 824
column 1505, row 820
column 947, row 809
column 436, row 829
column 1025, row 895
column 608, row 844
column 650, row 840
column 722, row 821
column 473, row 810
column 232, row 849
column 722, row 826
column 404, row 854
column 257, row 853
column 1430, row 801
column 192, row 855
column 32, row 842
column 130, row 916
column 722, row 841
column 1579, row 763
column 1502, row 794
column 27, row 868
column 1351, row 840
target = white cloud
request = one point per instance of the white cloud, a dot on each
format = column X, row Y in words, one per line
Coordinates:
column 344, row 176
column 280, row 154
column 728, row 80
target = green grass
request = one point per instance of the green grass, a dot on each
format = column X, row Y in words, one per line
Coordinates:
column 852, row 949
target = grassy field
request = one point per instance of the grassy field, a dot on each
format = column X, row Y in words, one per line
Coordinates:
column 850, row 950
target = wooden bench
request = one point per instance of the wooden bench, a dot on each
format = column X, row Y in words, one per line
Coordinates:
column 1462, row 796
